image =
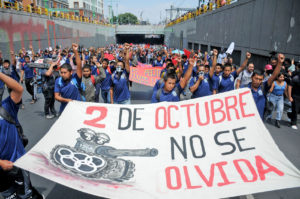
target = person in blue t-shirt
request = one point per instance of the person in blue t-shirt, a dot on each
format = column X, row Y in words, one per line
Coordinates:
column 226, row 80
column 105, row 84
column 170, row 69
column 67, row 86
column 202, row 84
column 259, row 88
column 164, row 70
column 159, row 62
column 119, row 89
column 14, row 182
column 170, row 92
column 29, row 77
column 185, row 64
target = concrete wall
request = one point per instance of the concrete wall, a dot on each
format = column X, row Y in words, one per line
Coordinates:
column 20, row 29
column 258, row 26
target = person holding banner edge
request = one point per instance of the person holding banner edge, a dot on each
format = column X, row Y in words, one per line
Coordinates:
column 14, row 182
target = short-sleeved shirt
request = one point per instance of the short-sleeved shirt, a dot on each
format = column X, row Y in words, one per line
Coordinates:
column 245, row 78
column 120, row 86
column 259, row 99
column 205, row 87
column 221, row 56
column 226, row 83
column 67, row 89
column 158, row 63
column 11, row 147
column 173, row 96
column 29, row 72
column 106, row 83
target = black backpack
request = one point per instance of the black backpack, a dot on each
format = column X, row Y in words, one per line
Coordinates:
column 5, row 115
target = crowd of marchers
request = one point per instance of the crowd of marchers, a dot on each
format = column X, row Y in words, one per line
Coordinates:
column 86, row 74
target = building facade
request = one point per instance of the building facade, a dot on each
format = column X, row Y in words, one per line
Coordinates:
column 93, row 9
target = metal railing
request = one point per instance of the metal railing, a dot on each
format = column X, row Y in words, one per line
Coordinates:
column 44, row 11
column 206, row 8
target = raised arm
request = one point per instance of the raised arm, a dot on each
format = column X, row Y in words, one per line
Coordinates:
column 180, row 69
column 196, row 85
column 214, row 63
column 50, row 70
column 275, row 73
column 244, row 64
column 127, row 57
column 205, row 57
column 188, row 74
column 17, row 89
column 78, row 60
column 13, row 58
column 102, row 55
column 32, row 51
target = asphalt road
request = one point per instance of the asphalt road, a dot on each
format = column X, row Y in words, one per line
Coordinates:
column 36, row 126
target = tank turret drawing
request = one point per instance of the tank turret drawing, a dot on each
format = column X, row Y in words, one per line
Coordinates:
column 90, row 159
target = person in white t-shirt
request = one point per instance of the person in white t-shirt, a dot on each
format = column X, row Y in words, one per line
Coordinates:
column 244, row 77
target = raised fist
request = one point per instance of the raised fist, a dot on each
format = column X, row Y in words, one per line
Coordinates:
column 126, row 46
column 192, row 61
column 215, row 52
column 281, row 58
column 75, row 46
column 248, row 55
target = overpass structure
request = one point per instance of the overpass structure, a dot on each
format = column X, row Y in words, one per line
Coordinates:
column 153, row 34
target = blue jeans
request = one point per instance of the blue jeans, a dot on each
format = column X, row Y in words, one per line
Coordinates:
column 97, row 92
column 277, row 101
column 105, row 96
column 123, row 102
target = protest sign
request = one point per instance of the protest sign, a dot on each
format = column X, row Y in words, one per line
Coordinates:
column 144, row 65
column 145, row 75
column 210, row 147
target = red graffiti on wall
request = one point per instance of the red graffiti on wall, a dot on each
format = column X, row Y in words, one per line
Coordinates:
column 11, row 28
column 51, row 23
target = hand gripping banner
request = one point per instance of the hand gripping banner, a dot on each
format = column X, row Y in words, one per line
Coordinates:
column 210, row 147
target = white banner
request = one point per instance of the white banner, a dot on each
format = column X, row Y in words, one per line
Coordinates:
column 211, row 147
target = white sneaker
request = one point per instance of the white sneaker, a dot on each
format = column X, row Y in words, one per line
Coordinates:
column 49, row 116
column 294, row 127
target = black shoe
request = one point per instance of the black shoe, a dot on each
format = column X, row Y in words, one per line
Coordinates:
column 277, row 124
column 36, row 194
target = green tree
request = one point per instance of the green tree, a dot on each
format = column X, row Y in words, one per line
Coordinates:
column 127, row 18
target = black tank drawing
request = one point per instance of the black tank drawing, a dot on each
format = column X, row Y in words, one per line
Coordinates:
column 89, row 158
